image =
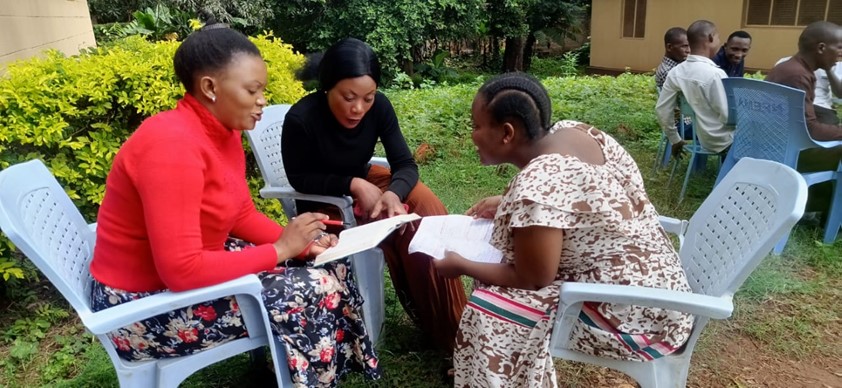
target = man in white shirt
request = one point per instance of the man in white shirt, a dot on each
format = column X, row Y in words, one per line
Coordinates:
column 828, row 89
column 699, row 81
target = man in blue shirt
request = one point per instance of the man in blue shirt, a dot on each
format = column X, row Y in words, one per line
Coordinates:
column 732, row 56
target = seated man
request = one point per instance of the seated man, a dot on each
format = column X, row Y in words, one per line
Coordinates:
column 698, row 80
column 676, row 50
column 732, row 56
column 819, row 47
column 828, row 88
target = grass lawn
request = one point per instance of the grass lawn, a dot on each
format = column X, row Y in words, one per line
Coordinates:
column 785, row 330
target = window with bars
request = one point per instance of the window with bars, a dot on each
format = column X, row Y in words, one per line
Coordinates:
column 634, row 18
column 792, row 12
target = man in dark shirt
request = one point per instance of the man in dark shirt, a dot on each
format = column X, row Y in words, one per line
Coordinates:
column 819, row 47
column 732, row 55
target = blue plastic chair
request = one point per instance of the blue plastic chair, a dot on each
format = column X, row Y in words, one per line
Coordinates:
column 695, row 149
column 771, row 125
column 41, row 220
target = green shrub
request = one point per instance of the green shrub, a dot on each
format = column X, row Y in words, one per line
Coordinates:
column 75, row 112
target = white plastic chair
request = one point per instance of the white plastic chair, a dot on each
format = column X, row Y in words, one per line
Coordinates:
column 265, row 140
column 756, row 204
column 41, row 220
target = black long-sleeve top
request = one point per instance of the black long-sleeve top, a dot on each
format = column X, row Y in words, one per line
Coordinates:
column 322, row 157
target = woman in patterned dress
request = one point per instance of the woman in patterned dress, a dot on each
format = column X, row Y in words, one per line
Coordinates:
column 175, row 196
column 577, row 211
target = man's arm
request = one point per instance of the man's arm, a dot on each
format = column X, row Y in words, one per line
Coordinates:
column 818, row 130
column 715, row 95
column 665, row 109
column 835, row 82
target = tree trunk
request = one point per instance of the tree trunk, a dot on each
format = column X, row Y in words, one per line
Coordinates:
column 407, row 67
column 495, row 49
column 528, row 51
column 513, row 56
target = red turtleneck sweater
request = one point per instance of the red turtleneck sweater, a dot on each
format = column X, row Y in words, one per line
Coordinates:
column 176, row 191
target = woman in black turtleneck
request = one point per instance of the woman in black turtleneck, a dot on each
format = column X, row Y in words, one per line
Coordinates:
column 328, row 139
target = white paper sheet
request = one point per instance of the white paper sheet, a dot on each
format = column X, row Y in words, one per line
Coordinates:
column 363, row 237
column 467, row 236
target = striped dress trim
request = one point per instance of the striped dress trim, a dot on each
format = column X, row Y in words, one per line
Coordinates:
column 640, row 344
column 505, row 309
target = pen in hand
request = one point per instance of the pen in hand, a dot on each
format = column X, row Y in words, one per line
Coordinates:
column 334, row 222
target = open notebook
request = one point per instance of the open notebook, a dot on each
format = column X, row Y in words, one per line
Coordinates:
column 363, row 237
column 467, row 236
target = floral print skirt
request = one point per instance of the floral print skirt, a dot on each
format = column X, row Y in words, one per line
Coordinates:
column 314, row 311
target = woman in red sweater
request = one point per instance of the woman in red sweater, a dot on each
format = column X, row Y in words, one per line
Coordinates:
column 175, row 197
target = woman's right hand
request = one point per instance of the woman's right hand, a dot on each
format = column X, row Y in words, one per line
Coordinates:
column 485, row 208
column 298, row 234
column 366, row 195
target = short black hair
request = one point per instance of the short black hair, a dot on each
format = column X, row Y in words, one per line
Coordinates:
column 520, row 96
column 699, row 31
column 673, row 34
column 211, row 48
column 347, row 58
column 815, row 33
column 739, row 34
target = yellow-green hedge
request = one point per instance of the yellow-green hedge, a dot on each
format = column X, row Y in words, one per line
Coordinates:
column 75, row 112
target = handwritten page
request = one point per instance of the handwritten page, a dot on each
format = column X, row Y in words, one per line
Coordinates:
column 363, row 237
column 467, row 236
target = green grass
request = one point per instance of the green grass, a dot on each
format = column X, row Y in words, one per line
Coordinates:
column 787, row 305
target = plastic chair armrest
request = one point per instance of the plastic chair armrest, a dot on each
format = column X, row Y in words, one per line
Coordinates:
column 92, row 227
column 113, row 318
column 827, row 144
column 379, row 161
column 673, row 225
column 709, row 306
column 284, row 192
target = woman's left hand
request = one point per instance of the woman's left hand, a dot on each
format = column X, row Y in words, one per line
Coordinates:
column 388, row 203
column 451, row 266
column 322, row 243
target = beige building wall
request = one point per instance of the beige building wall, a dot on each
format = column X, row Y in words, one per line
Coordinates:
column 609, row 50
column 28, row 27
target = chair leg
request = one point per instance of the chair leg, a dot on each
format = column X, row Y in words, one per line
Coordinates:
column 687, row 176
column 672, row 172
column 368, row 269
column 658, row 153
column 834, row 217
column 779, row 247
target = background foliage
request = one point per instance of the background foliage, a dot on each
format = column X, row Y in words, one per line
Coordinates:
column 74, row 113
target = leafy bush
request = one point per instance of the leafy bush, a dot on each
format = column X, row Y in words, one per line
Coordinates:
column 74, row 113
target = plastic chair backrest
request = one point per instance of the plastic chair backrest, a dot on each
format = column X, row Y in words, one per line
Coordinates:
column 770, row 120
column 686, row 111
column 265, row 139
column 729, row 234
column 41, row 220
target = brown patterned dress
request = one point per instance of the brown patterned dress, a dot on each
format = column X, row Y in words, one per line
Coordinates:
column 611, row 235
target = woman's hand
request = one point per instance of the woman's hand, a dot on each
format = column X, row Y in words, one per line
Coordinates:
column 451, row 266
column 388, row 203
column 322, row 243
column 485, row 208
column 365, row 194
column 300, row 231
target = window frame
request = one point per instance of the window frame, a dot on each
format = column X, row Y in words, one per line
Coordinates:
column 638, row 30
column 795, row 16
